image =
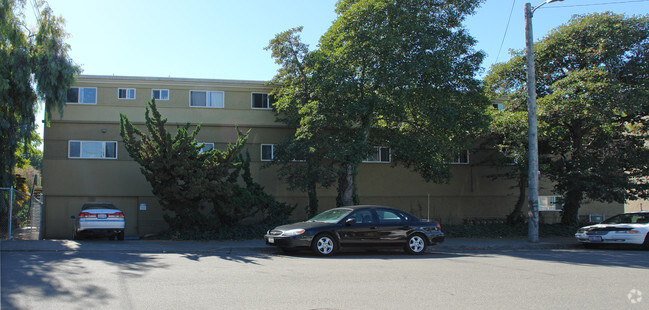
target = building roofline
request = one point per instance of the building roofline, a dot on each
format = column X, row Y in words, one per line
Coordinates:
column 168, row 79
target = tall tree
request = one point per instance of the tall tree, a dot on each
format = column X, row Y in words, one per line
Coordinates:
column 593, row 81
column 182, row 177
column 33, row 66
column 398, row 74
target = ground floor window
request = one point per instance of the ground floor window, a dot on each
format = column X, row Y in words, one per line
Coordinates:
column 267, row 152
column 92, row 149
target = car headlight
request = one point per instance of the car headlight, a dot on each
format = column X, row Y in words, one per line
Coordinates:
column 293, row 232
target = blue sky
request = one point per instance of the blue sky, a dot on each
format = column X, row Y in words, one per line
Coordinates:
column 217, row 39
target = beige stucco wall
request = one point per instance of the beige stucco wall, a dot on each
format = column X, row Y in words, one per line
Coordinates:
column 68, row 183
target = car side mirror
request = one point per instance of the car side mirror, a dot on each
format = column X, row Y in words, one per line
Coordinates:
column 350, row 221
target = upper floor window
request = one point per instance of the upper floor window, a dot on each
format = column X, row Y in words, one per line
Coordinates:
column 160, row 94
column 202, row 98
column 126, row 93
column 82, row 95
column 92, row 149
column 461, row 157
column 267, row 152
column 378, row 155
column 262, row 101
column 206, row 147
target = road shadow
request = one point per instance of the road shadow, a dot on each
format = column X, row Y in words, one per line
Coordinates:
column 626, row 257
column 356, row 254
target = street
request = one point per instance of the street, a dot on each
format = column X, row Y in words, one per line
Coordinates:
column 248, row 279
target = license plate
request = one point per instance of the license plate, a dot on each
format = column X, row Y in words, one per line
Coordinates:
column 595, row 239
column 102, row 216
column 271, row 240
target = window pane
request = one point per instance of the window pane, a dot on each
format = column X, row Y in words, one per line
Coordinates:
column 88, row 95
column 206, row 147
column 267, row 152
column 164, row 94
column 198, row 99
column 388, row 217
column 92, row 149
column 260, row 101
column 75, row 150
column 131, row 93
column 373, row 156
column 156, row 93
column 73, row 95
column 216, row 99
column 385, row 154
column 121, row 93
column 111, row 149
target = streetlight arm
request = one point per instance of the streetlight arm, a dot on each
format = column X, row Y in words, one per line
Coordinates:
column 542, row 4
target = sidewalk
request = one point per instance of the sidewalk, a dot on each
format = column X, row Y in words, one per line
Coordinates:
column 162, row 246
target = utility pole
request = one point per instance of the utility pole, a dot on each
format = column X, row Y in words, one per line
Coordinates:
column 532, row 132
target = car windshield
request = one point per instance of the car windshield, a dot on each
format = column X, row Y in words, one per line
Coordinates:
column 629, row 218
column 331, row 216
column 98, row 206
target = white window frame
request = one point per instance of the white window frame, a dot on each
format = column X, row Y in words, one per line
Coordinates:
column 272, row 152
column 80, row 92
column 204, row 145
column 458, row 158
column 128, row 93
column 252, row 101
column 161, row 91
column 550, row 202
column 81, row 143
column 208, row 103
column 379, row 150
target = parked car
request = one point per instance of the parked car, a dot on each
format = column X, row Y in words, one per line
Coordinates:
column 627, row 228
column 99, row 218
column 357, row 226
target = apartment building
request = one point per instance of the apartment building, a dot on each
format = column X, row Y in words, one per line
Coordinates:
column 85, row 159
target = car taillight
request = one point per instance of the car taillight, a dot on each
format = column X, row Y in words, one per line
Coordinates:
column 116, row 214
column 87, row 215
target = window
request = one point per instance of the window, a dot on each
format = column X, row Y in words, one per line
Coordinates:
column 200, row 98
column 461, row 157
column 160, row 94
column 126, row 93
column 206, row 147
column 378, row 155
column 387, row 216
column 267, row 152
column 550, row 203
column 82, row 95
column 363, row 216
column 262, row 101
column 498, row 106
column 92, row 149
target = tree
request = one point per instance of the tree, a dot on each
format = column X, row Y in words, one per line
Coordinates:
column 593, row 81
column 393, row 74
column 33, row 66
column 182, row 177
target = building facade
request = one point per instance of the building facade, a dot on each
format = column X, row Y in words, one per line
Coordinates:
column 85, row 159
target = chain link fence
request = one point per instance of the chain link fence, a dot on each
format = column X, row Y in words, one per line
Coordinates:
column 20, row 215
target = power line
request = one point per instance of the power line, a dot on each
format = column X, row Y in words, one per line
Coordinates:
column 506, row 28
column 593, row 4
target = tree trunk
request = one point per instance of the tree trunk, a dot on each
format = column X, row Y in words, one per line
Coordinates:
column 312, row 208
column 517, row 217
column 572, row 202
column 346, row 186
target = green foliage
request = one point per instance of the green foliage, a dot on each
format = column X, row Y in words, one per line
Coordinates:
column 199, row 190
column 28, row 60
column 592, row 88
column 394, row 74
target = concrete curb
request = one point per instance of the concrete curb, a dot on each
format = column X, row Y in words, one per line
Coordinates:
column 162, row 246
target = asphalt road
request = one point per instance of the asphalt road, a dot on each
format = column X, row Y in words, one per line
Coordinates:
column 248, row 279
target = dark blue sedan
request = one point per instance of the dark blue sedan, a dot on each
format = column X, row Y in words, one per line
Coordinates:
column 359, row 227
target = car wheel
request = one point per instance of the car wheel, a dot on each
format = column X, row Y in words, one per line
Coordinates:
column 120, row 235
column 416, row 244
column 75, row 235
column 590, row 245
column 324, row 245
column 645, row 244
